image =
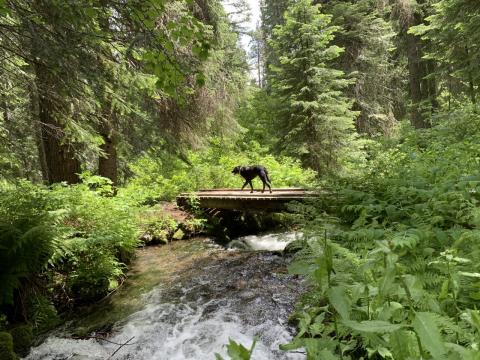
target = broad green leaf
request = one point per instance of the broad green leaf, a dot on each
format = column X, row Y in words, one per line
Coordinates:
column 388, row 310
column 304, row 323
column 444, row 290
column 372, row 326
column 429, row 334
column 403, row 345
column 327, row 355
column 301, row 267
column 475, row 318
column 385, row 353
column 319, row 349
column 340, row 301
column 387, row 281
column 237, row 351
column 469, row 274
column 461, row 352
column 293, row 345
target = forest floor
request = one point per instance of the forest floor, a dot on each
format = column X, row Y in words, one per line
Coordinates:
column 171, row 209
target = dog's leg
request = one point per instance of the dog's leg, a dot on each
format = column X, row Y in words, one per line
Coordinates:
column 268, row 181
column 264, row 178
column 246, row 182
column 251, row 186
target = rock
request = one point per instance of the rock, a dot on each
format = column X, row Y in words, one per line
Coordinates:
column 295, row 246
column 237, row 244
column 146, row 237
column 240, row 284
column 247, row 295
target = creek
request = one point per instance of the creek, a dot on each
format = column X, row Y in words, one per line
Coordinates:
column 186, row 300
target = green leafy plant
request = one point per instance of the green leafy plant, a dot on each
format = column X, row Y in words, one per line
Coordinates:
column 6, row 347
column 392, row 267
column 42, row 313
column 99, row 237
column 157, row 226
column 237, row 351
column 22, row 336
column 27, row 236
column 62, row 244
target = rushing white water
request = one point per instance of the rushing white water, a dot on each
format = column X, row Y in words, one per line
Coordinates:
column 269, row 242
column 236, row 298
column 173, row 331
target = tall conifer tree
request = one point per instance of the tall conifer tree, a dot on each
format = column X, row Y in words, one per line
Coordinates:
column 272, row 15
column 368, row 40
column 458, row 67
column 316, row 118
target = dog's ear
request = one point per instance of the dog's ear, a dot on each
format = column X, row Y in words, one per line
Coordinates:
column 236, row 170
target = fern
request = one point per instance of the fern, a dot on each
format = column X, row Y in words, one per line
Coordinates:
column 404, row 251
column 27, row 237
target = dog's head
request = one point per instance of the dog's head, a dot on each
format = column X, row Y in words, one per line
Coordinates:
column 236, row 170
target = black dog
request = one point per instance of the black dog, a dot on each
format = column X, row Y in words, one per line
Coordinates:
column 251, row 172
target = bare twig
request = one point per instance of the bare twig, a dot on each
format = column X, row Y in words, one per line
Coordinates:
column 121, row 346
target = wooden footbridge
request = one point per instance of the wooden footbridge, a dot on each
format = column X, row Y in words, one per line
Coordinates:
column 229, row 199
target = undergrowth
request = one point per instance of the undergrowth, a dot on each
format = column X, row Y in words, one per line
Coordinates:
column 61, row 247
column 160, row 176
column 392, row 256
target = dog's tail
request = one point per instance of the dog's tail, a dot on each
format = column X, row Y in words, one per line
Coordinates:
column 266, row 174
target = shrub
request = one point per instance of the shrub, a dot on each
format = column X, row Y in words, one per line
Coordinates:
column 237, row 351
column 27, row 235
column 394, row 268
column 157, row 226
column 193, row 226
column 22, row 339
column 93, row 274
column 75, row 238
column 6, row 347
column 99, row 237
column 42, row 313
column 158, row 177
column 92, row 220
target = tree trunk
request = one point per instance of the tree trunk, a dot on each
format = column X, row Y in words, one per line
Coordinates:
column 107, row 164
column 415, row 80
column 423, row 90
column 432, row 84
column 60, row 158
column 37, row 125
column 259, row 65
column 471, row 85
